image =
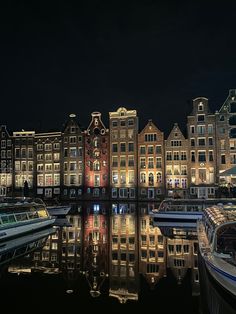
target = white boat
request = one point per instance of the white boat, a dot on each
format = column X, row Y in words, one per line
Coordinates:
column 185, row 210
column 20, row 218
column 59, row 210
column 217, row 244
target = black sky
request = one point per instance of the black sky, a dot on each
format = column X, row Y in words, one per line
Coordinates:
column 153, row 56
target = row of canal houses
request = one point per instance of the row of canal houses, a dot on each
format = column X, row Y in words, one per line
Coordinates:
column 123, row 162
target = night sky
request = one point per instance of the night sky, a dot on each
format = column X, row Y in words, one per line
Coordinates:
column 154, row 56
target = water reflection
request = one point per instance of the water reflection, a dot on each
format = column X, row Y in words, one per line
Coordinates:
column 111, row 250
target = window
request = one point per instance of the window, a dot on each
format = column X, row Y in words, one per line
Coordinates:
column 192, row 129
column 200, row 117
column 223, row 161
column 142, row 150
column 193, row 156
column 150, row 137
column 158, row 162
column 158, row 149
column 96, row 165
column 143, row 177
column 122, row 123
column 150, row 163
column 48, row 157
column 183, row 155
column 201, row 129
column 201, row 142
column 176, row 143
column 72, row 139
column 150, row 149
column 169, row 170
column 210, row 129
column 114, row 148
column 142, row 163
column 40, row 147
column 56, row 145
column 210, row 141
column 130, row 133
column 168, row 156
column 48, row 179
column 122, row 147
column 131, row 176
column 202, row 175
column 48, row 146
column 130, row 122
column 201, row 156
column 122, row 161
column 114, row 177
column 115, row 161
column 122, row 177
column 130, row 147
column 72, row 179
column 176, row 155
column 73, row 152
column 151, row 179
column 192, row 141
column 114, row 123
column 122, row 133
column 176, row 170
column 130, row 161
column 200, row 107
column 159, row 177
column 211, row 158
column 72, row 166
column 183, row 170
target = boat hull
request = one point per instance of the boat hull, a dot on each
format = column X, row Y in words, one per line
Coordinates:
column 59, row 211
column 224, row 279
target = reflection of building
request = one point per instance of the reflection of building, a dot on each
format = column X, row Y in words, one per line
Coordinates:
column 72, row 159
column 181, row 256
column 48, row 156
column 152, row 252
column 151, row 162
column 62, row 252
column 96, row 158
column 23, row 142
column 202, row 152
column 123, row 153
column 123, row 253
column 6, row 159
column 95, row 263
column 176, row 162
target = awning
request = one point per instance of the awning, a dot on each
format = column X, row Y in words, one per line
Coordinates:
column 228, row 172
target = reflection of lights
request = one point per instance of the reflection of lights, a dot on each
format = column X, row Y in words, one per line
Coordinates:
column 69, row 291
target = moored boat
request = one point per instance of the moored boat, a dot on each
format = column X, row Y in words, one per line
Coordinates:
column 217, row 244
column 186, row 210
column 59, row 210
column 20, row 218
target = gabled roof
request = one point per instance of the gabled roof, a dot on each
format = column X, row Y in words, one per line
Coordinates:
column 150, row 126
column 226, row 105
column 176, row 130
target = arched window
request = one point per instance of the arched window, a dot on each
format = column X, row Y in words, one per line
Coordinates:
column 96, row 165
column 151, row 179
column 143, row 178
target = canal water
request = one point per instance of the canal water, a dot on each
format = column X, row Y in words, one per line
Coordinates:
column 110, row 257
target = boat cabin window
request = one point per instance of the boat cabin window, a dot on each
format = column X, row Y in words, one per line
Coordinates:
column 226, row 240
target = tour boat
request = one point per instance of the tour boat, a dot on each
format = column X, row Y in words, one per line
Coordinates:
column 58, row 210
column 217, row 244
column 185, row 210
column 19, row 218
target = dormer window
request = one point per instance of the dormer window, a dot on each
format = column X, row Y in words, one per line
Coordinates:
column 200, row 107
